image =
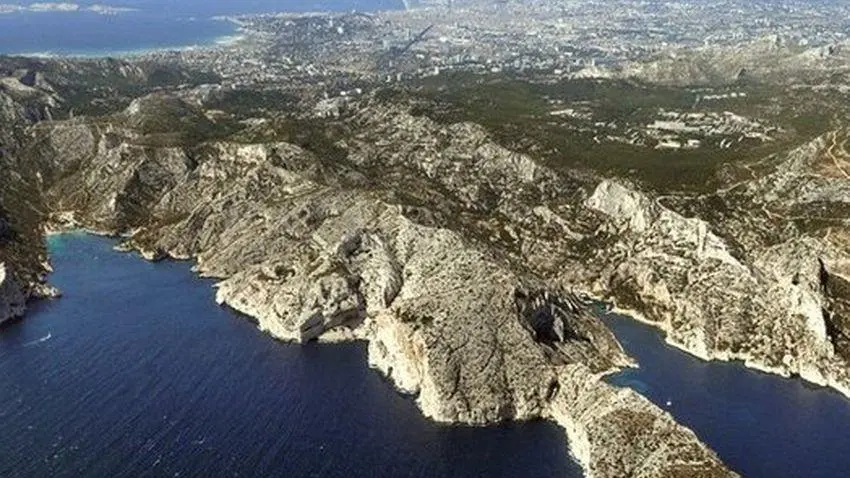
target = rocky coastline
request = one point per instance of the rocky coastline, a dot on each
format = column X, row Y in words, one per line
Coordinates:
column 603, row 423
column 314, row 249
column 779, row 302
column 461, row 261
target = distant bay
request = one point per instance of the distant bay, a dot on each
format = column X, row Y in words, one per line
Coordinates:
column 123, row 27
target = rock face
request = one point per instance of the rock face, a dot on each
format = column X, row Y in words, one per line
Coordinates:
column 602, row 420
column 23, row 264
column 411, row 241
column 12, row 300
column 770, row 292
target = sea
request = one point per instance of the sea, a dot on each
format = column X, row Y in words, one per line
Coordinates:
column 136, row 372
column 761, row 425
column 84, row 28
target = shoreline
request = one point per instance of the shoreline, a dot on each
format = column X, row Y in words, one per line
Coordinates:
column 236, row 36
column 357, row 348
column 222, row 41
column 747, row 362
column 402, row 373
column 387, row 368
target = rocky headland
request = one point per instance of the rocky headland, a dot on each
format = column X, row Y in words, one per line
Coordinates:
column 458, row 206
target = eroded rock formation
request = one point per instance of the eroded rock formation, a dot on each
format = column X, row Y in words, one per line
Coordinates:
column 769, row 292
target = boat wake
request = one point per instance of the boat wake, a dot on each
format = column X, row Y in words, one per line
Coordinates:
column 41, row 340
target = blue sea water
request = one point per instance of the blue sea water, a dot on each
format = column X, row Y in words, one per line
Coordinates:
column 154, row 24
column 136, row 372
column 763, row 426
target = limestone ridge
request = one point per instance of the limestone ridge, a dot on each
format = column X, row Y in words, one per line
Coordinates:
column 25, row 98
column 313, row 247
column 769, row 58
column 779, row 307
column 602, row 421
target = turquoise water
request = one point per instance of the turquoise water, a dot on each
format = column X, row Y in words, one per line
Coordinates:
column 763, row 426
column 135, row 372
column 152, row 24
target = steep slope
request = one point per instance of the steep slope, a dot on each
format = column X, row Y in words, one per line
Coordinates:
column 32, row 91
column 762, row 280
column 23, row 258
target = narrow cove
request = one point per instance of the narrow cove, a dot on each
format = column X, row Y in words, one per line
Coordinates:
column 761, row 425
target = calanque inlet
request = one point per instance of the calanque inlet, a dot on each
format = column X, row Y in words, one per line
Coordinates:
column 454, row 245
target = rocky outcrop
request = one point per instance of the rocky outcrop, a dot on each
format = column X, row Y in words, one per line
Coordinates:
column 12, row 300
column 602, row 421
column 768, row 307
